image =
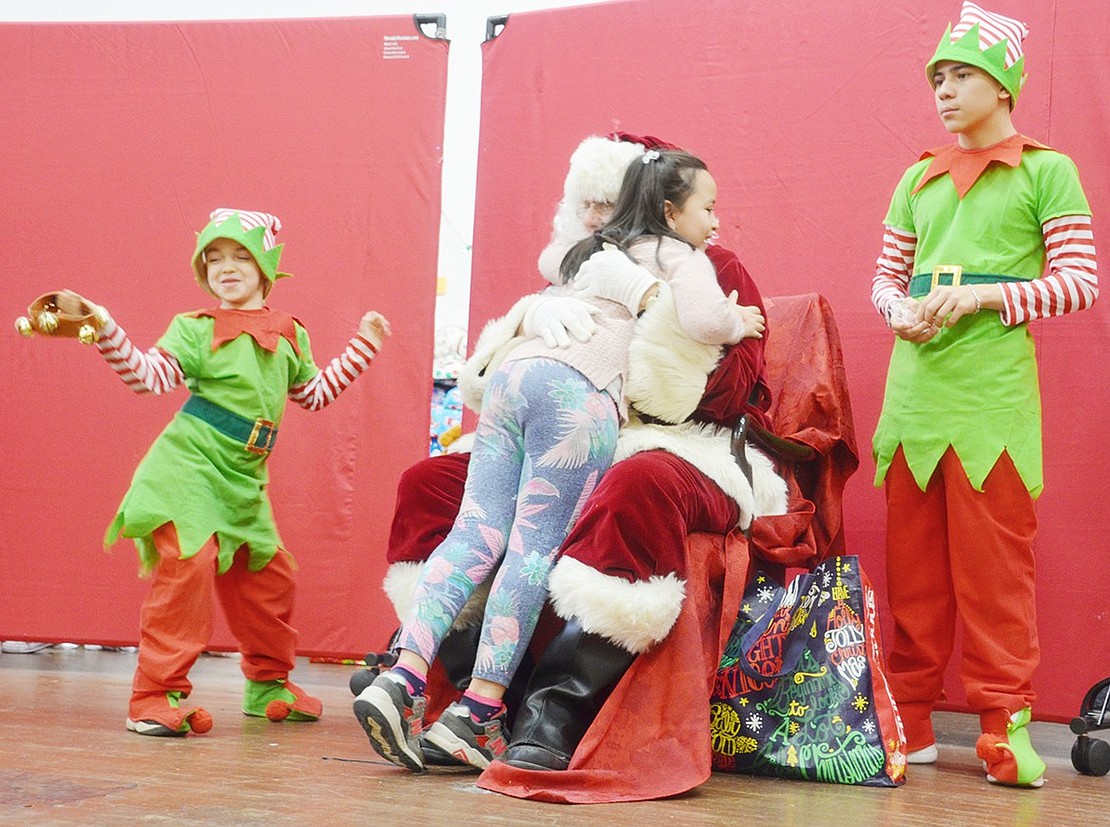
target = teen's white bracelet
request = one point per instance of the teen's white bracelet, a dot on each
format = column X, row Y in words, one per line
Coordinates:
column 978, row 301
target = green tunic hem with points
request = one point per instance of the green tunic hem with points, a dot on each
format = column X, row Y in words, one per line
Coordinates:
column 974, row 386
column 203, row 482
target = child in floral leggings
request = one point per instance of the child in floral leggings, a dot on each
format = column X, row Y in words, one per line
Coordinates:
column 547, row 432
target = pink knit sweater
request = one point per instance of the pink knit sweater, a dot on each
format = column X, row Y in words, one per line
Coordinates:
column 703, row 312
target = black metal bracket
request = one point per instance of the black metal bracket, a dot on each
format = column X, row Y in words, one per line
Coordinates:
column 495, row 25
column 439, row 21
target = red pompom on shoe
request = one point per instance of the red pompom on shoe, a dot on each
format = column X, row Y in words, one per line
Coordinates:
column 278, row 710
column 280, row 699
column 200, row 721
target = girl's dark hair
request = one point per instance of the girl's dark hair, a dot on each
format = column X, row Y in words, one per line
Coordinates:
column 639, row 210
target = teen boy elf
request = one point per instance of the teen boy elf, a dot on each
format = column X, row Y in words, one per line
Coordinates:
column 982, row 236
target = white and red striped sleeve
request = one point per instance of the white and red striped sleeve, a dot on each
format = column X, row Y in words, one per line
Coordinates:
column 152, row 372
column 893, row 269
column 1071, row 280
column 322, row 389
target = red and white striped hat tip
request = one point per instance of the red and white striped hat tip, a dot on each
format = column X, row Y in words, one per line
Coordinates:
column 251, row 219
column 993, row 27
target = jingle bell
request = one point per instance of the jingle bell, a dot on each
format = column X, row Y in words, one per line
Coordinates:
column 47, row 322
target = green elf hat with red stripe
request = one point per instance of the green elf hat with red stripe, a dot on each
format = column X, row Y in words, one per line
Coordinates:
column 256, row 231
column 988, row 41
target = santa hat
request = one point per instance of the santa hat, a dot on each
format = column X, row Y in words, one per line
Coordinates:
column 597, row 168
column 256, row 231
column 647, row 141
column 988, row 41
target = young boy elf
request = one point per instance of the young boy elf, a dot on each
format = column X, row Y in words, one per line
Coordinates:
column 197, row 507
column 982, row 237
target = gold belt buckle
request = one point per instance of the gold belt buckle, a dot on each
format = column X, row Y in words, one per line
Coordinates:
column 953, row 270
column 252, row 441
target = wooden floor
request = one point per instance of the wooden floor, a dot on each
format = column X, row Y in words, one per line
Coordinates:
column 65, row 758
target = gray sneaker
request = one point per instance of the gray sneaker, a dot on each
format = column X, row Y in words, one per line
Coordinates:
column 393, row 720
column 435, row 757
column 457, row 734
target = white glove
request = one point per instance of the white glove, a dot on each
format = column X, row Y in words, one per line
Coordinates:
column 557, row 318
column 610, row 274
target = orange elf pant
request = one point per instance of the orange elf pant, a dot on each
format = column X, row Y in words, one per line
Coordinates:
column 954, row 551
column 175, row 623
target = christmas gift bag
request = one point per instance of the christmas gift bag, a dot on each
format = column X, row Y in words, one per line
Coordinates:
column 800, row 692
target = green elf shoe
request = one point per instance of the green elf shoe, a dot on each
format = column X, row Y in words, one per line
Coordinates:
column 1012, row 761
column 280, row 700
column 160, row 714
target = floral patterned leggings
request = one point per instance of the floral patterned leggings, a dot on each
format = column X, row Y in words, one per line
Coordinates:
column 544, row 438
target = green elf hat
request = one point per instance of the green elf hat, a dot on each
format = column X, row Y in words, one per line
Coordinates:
column 254, row 230
column 988, row 41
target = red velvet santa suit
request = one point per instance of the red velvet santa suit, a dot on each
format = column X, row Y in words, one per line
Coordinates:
column 649, row 526
column 633, row 751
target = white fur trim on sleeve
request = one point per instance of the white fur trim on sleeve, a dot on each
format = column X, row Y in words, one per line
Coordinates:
column 498, row 337
column 463, row 445
column 667, row 370
column 632, row 615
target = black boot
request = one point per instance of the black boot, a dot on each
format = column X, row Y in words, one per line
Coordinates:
column 378, row 663
column 569, row 685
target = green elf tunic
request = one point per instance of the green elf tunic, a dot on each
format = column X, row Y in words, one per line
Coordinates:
column 974, row 385
column 204, row 482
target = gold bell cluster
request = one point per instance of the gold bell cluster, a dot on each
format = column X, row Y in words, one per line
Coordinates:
column 49, row 315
